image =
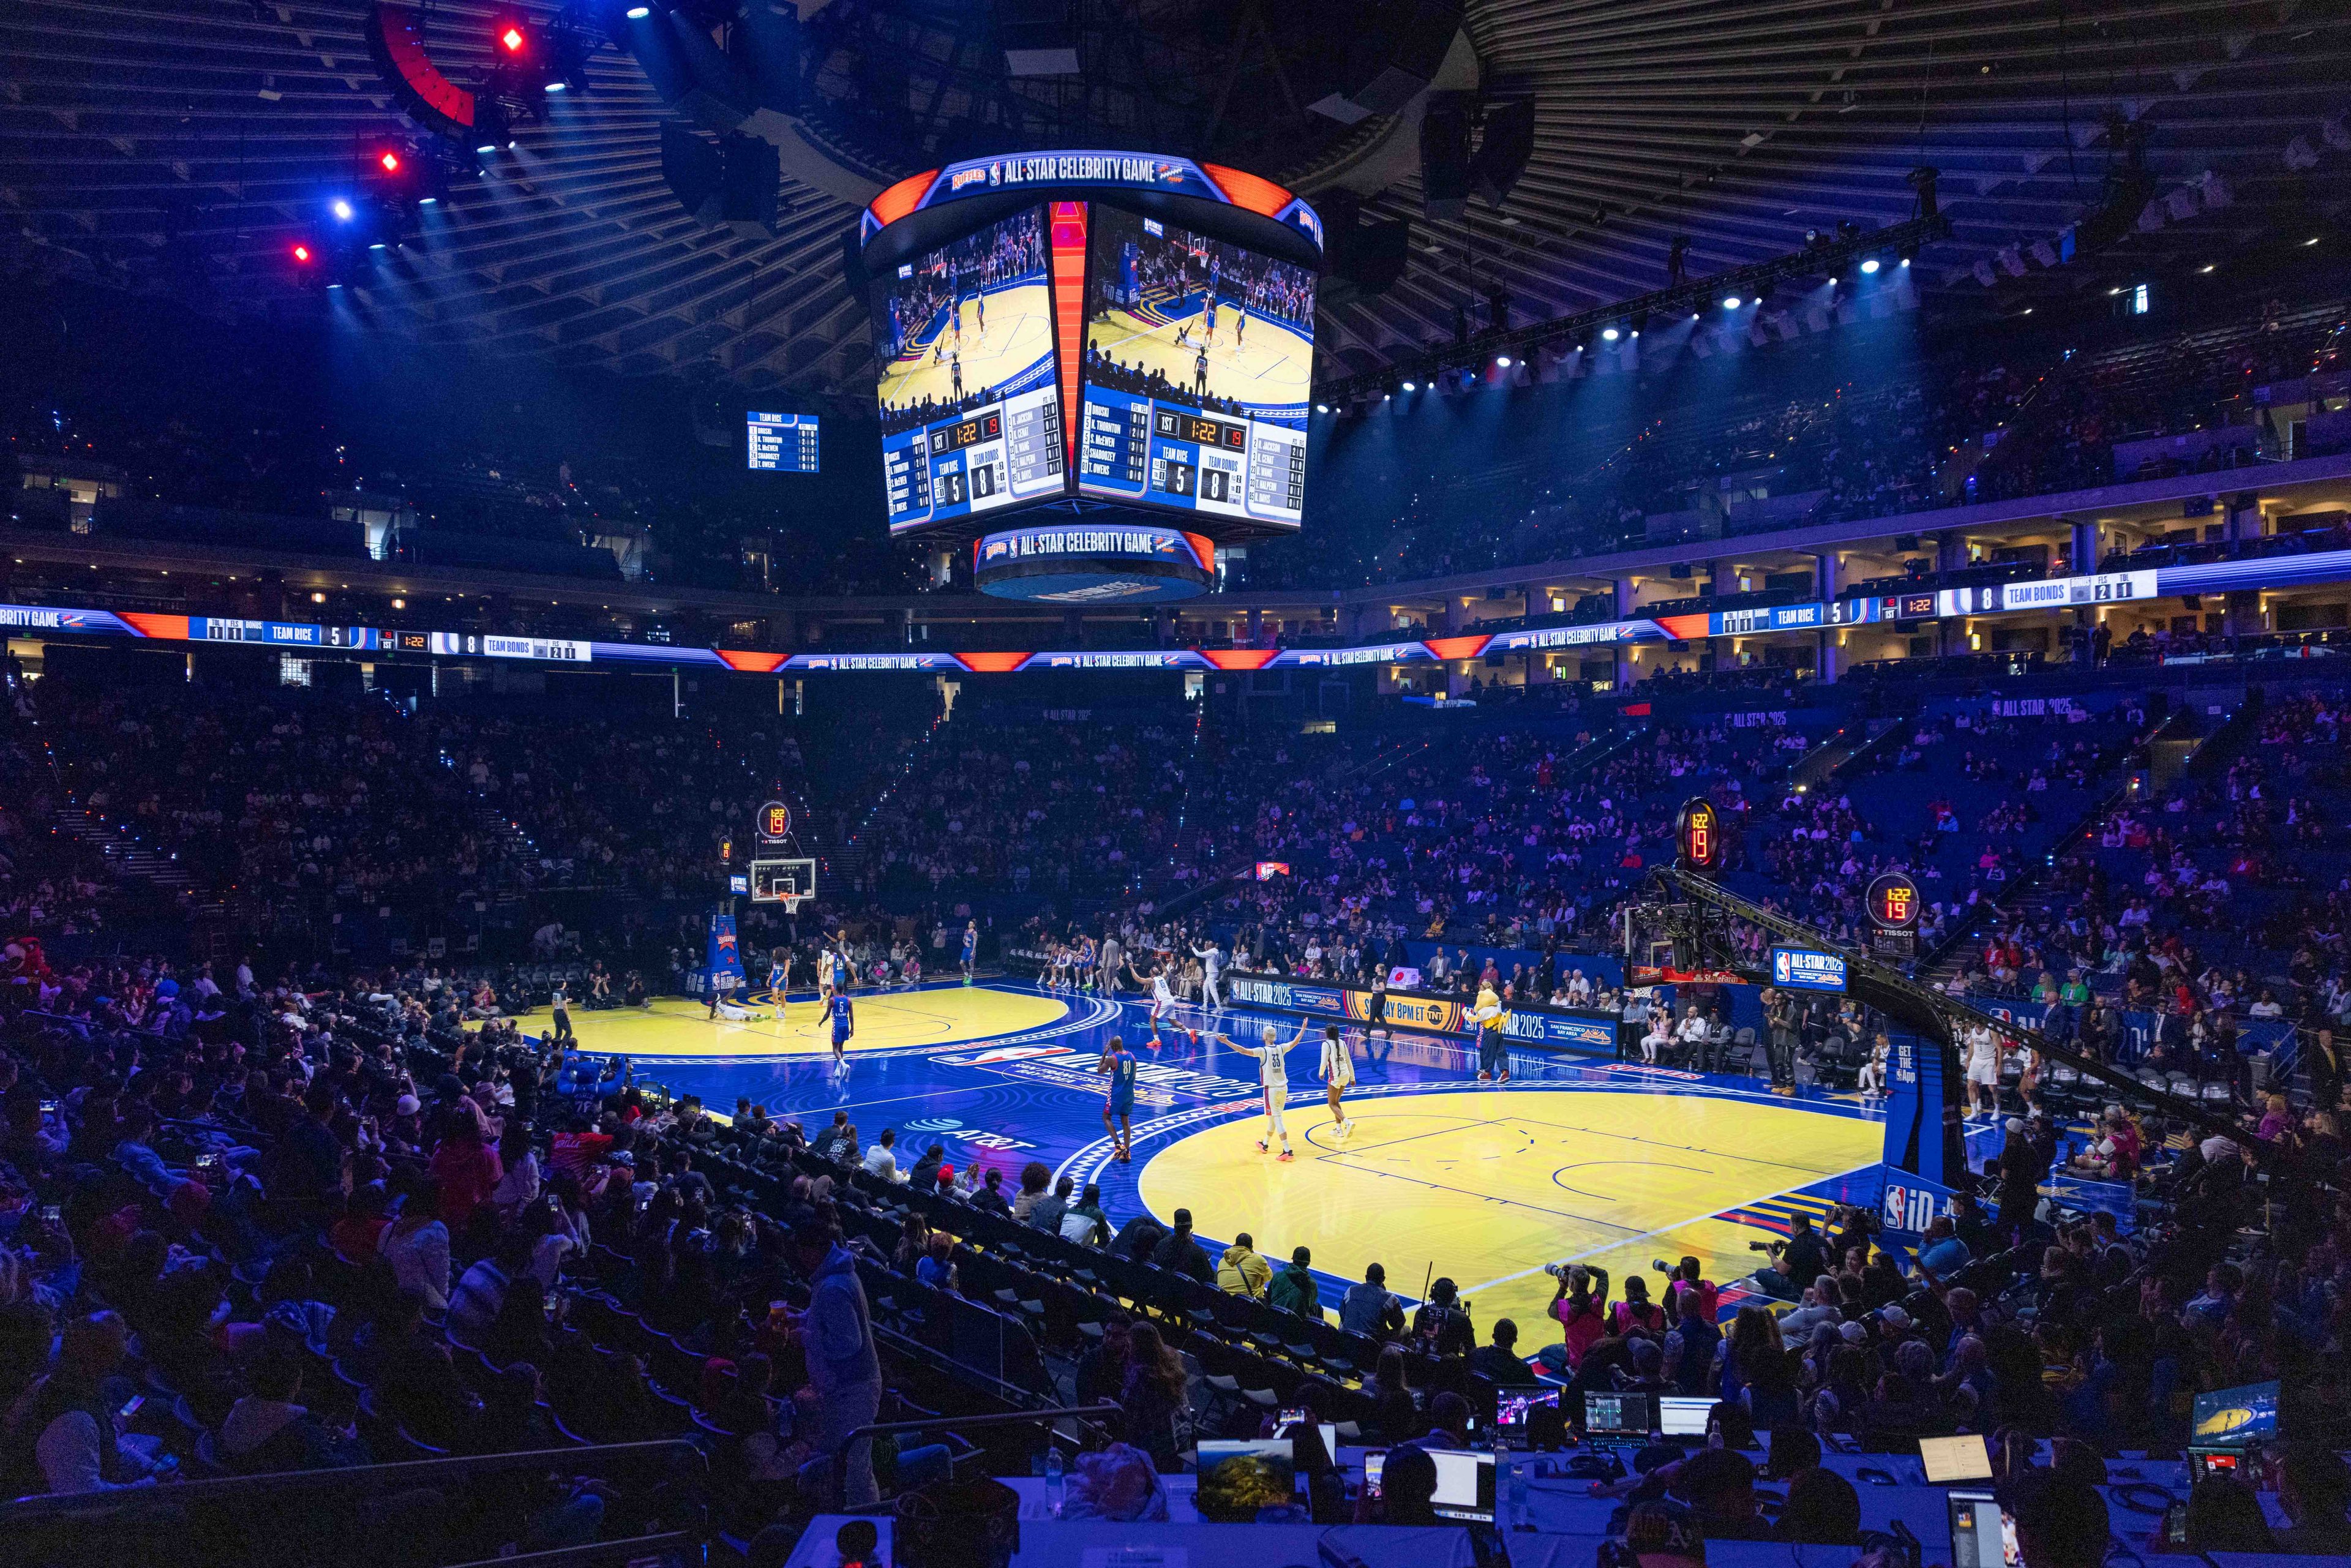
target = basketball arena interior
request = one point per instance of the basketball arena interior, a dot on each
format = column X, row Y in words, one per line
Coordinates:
column 1156, row 783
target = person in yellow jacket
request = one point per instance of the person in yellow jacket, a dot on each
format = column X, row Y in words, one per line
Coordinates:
column 1240, row 1271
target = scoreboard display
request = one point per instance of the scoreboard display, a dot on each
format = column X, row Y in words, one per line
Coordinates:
column 781, row 443
column 1093, row 331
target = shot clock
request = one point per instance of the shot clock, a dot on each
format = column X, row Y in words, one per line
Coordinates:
column 1698, row 836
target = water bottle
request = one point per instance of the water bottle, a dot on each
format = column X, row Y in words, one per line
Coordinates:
column 1053, row 1477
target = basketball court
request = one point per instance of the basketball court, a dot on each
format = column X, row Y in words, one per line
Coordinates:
column 1577, row 1159
column 1019, row 333
column 1271, row 364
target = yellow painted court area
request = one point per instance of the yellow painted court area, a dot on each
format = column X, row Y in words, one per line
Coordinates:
column 1270, row 364
column 1019, row 332
column 1490, row 1185
column 674, row 1026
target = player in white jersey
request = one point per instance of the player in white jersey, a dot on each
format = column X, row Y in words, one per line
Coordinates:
column 1163, row 1001
column 1212, row 984
column 1273, row 1075
column 1337, row 1071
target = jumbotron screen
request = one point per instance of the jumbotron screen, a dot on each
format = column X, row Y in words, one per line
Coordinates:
column 1198, row 365
column 971, row 409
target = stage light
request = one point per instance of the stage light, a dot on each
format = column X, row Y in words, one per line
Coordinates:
column 426, row 201
column 302, row 254
column 1636, row 331
column 1609, row 334
column 343, row 210
column 513, row 40
column 1409, row 387
column 1322, row 408
column 390, row 159
column 318, row 599
column 1869, row 266
column 1905, row 261
column 376, row 246
column 1833, row 280
column 486, row 148
column 2206, row 267
column 1503, row 360
column 1730, row 302
column 557, row 86
column 639, row 13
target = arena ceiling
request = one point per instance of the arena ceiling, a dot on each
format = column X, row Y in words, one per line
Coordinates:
column 182, row 148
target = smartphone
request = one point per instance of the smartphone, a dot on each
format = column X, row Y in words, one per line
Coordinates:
column 52, row 1214
column 1290, row 1417
column 554, row 1303
column 2175, row 1524
column 1374, row 1463
column 130, row 1406
column 48, row 1107
column 207, row 1162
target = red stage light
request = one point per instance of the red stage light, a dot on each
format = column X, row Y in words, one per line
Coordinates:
column 302, row 253
column 391, row 162
column 513, row 40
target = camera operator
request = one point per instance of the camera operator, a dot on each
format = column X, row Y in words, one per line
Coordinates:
column 1795, row 1263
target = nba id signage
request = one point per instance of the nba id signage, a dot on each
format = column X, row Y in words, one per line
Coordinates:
column 725, row 957
column 1923, row 1135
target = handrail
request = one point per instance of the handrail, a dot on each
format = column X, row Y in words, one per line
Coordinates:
column 401, row 1473
column 633, row 1549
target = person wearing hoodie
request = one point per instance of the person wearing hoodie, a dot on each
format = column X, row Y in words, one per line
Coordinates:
column 1294, row 1290
column 267, row 1432
column 836, row 1330
column 1049, row 1209
column 1240, row 1271
column 1084, row 1221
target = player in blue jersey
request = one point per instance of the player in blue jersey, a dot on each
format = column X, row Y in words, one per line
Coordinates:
column 1208, row 318
column 779, row 977
column 844, row 1024
column 970, row 948
column 1118, row 1111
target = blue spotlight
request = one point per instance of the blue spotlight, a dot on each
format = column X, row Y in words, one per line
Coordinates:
column 1409, row 387
column 1608, row 334
column 1730, row 302
column 1870, row 265
column 639, row 13
column 343, row 210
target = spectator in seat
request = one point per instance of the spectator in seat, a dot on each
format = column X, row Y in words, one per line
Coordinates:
column 2315, row 1490
column 1052, row 1208
column 1718, row 1484
column 1500, row 1360
column 1371, row 1308
column 2225, row 1515
column 466, row 1168
column 1084, row 1222
column 1441, row 1325
column 2060, row 1522
column 1240, row 1271
column 1155, row 1396
column 1392, row 1410
column 1823, row 1510
column 1448, row 1423
column 1407, row 1488
column 416, row 1245
column 989, row 1198
column 1101, row 1370
column 62, row 1435
column 1179, row 1251
column 266, row 1431
column 1034, row 1180
column 1293, row 1290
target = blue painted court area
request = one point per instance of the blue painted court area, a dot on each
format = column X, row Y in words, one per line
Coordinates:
column 1613, row 1163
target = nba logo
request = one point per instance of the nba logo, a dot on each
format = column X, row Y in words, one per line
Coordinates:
column 996, row 173
column 1907, row 1209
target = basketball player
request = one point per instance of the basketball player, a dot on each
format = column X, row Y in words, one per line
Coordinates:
column 1118, row 1110
column 1084, row 965
column 779, row 978
column 979, row 303
column 1240, row 324
column 844, row 1024
column 1208, row 318
column 970, row 948
column 1212, row 959
column 1273, row 1075
column 1338, row 1074
column 1163, row 1001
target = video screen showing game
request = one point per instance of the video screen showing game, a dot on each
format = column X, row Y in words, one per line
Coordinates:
column 1199, row 364
column 971, row 411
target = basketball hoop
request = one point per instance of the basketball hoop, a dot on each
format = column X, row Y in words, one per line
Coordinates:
column 791, row 883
